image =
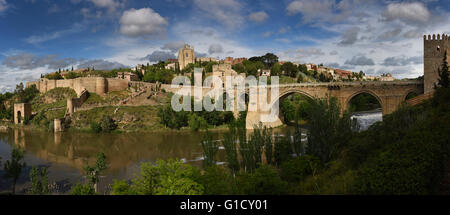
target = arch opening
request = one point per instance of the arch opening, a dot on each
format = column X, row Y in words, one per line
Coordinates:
column 19, row 117
column 366, row 108
column 363, row 101
column 293, row 108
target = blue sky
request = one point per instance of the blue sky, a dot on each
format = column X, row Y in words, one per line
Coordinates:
column 40, row 36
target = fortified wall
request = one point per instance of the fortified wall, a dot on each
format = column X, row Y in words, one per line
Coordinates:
column 98, row 85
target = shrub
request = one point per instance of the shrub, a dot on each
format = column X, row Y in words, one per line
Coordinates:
column 95, row 127
column 197, row 122
column 82, row 189
column 121, row 187
column 264, row 181
column 167, row 178
column 217, row 181
column 107, row 124
column 299, row 168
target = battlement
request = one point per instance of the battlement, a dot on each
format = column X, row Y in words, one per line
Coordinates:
column 437, row 37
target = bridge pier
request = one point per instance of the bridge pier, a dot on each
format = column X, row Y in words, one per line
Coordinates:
column 254, row 118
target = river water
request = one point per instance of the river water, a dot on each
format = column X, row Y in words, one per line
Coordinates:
column 65, row 154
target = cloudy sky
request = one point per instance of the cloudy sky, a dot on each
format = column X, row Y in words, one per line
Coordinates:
column 40, row 36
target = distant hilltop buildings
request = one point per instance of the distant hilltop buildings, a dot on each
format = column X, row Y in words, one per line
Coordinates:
column 186, row 55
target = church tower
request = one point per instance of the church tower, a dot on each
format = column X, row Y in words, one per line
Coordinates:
column 186, row 56
column 434, row 49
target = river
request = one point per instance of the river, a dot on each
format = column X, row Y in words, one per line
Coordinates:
column 65, row 154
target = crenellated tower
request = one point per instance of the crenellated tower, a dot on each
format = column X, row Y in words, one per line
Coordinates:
column 434, row 47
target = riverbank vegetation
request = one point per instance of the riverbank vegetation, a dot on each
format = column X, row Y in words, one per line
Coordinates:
column 404, row 154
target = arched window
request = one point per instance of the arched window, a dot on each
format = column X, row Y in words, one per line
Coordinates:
column 438, row 48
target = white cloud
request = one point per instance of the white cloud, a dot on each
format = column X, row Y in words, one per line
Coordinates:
column 143, row 22
column 226, row 12
column 350, row 36
column 258, row 16
column 415, row 13
column 111, row 5
column 3, row 6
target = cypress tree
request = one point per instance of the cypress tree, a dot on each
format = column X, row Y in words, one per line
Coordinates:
column 443, row 80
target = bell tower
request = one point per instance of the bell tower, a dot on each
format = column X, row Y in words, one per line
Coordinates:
column 434, row 49
column 186, row 56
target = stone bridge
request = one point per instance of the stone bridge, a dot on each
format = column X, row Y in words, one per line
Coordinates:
column 389, row 94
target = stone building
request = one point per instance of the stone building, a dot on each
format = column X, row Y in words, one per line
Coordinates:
column 263, row 72
column 434, row 49
column 234, row 61
column 171, row 66
column 129, row 76
column 387, row 77
column 224, row 70
column 21, row 112
column 186, row 56
column 206, row 59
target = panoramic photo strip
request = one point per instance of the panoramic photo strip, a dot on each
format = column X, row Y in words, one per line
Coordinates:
column 229, row 106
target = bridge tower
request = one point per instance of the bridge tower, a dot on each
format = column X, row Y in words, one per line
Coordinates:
column 434, row 49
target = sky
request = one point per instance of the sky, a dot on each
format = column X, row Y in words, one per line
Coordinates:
column 385, row 36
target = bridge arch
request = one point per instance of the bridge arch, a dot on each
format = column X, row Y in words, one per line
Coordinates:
column 346, row 103
column 253, row 117
column 289, row 92
column 411, row 91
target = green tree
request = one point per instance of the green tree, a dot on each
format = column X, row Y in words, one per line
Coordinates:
column 276, row 70
column 269, row 59
column 14, row 166
column 167, row 178
column 328, row 131
column 210, row 149
column 443, row 72
column 39, row 181
column 93, row 172
column 197, row 122
column 229, row 142
column 290, row 69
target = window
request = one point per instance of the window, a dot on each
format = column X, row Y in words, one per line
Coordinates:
column 187, row 55
column 438, row 48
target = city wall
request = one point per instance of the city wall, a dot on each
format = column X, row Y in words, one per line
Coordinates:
column 97, row 85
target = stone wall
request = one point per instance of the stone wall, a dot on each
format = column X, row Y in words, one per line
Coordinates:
column 434, row 49
column 74, row 103
column 97, row 85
